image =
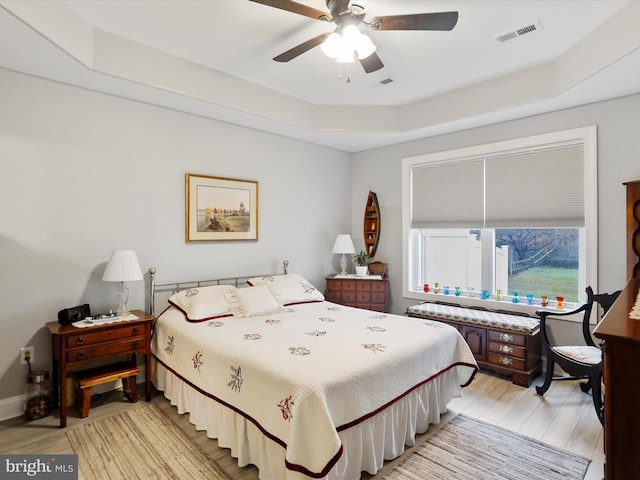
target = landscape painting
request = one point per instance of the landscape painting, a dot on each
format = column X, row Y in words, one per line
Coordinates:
column 220, row 208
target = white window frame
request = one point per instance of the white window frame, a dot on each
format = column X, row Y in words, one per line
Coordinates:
column 411, row 240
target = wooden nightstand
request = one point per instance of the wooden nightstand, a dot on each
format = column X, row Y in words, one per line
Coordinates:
column 364, row 292
column 73, row 348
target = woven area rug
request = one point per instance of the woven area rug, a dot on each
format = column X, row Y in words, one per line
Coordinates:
column 141, row 443
column 467, row 449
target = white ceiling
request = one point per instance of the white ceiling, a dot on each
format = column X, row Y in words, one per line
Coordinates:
column 214, row 58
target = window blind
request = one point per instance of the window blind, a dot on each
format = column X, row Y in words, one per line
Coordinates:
column 448, row 195
column 539, row 188
column 535, row 187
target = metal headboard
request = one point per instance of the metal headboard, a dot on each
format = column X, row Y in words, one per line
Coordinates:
column 171, row 288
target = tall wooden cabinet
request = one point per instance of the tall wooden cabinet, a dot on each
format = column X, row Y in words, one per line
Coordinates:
column 633, row 229
column 621, row 351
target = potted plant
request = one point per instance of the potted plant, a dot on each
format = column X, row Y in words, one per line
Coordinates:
column 362, row 264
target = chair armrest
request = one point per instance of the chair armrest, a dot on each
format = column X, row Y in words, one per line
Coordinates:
column 546, row 313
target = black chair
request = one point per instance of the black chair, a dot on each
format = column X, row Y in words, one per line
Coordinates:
column 579, row 361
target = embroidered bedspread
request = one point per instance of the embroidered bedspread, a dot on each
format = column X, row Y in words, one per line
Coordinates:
column 306, row 373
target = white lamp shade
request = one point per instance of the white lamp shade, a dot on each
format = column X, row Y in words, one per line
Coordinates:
column 122, row 267
column 343, row 244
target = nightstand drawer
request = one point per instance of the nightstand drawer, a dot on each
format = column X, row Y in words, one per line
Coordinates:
column 124, row 331
column 106, row 350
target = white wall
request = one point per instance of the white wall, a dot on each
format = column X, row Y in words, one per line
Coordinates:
column 618, row 161
column 85, row 173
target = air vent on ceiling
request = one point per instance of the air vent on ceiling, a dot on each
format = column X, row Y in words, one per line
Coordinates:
column 518, row 32
column 386, row 81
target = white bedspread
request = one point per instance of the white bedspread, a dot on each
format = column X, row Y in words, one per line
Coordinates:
column 303, row 375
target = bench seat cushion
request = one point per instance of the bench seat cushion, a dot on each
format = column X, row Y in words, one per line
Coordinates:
column 504, row 321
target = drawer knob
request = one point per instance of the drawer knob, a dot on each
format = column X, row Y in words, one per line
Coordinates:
column 506, row 349
column 505, row 337
column 80, row 341
column 506, row 361
column 134, row 344
column 80, row 356
column 135, row 330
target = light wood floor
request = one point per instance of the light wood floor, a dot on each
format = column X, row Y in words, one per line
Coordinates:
column 564, row 418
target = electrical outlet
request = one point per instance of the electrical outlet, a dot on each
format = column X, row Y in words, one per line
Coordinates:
column 24, row 353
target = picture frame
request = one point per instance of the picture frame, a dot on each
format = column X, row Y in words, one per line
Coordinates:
column 219, row 208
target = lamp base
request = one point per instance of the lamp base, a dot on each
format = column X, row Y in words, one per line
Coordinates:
column 123, row 299
column 343, row 264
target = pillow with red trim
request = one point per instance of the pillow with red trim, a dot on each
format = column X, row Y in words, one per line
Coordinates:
column 203, row 303
column 289, row 289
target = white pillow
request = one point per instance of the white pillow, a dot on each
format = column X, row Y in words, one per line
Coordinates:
column 289, row 289
column 253, row 301
column 203, row 303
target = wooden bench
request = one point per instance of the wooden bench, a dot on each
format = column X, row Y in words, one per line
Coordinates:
column 504, row 342
column 100, row 375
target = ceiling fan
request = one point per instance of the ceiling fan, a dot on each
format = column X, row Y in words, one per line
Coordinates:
column 347, row 14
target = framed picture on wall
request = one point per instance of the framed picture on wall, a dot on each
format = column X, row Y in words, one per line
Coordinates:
column 220, row 208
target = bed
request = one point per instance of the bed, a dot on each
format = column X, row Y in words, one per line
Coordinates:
column 298, row 386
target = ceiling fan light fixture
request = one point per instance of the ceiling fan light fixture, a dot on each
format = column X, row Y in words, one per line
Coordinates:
column 343, row 47
column 350, row 37
column 346, row 56
column 331, row 47
column 365, row 47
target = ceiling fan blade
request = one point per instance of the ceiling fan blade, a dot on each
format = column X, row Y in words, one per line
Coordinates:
column 302, row 48
column 372, row 63
column 298, row 8
column 417, row 21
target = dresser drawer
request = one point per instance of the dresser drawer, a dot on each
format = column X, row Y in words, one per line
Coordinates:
column 125, row 331
column 506, row 361
column 507, row 337
column 107, row 350
column 371, row 286
column 359, row 293
column 508, row 349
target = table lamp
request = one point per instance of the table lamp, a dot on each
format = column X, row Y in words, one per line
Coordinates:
column 343, row 246
column 122, row 267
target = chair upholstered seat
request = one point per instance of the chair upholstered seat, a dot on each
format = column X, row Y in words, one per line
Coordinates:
column 578, row 361
column 581, row 353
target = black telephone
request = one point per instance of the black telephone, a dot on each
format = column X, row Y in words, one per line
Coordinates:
column 67, row 316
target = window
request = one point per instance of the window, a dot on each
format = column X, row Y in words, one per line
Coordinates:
column 516, row 216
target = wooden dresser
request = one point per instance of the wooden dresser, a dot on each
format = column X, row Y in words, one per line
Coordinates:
column 621, row 351
column 358, row 292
